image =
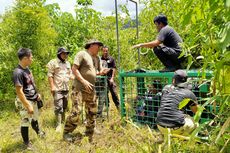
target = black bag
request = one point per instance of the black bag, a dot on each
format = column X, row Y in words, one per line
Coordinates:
column 40, row 104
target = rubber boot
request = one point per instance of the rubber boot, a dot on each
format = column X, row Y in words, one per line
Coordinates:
column 58, row 119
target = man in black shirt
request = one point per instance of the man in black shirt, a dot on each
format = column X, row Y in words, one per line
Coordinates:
column 109, row 62
column 167, row 45
column 171, row 112
column 27, row 96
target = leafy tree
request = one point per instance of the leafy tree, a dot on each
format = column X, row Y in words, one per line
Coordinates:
column 26, row 25
column 203, row 24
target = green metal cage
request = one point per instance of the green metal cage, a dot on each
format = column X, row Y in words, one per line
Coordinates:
column 101, row 87
column 140, row 94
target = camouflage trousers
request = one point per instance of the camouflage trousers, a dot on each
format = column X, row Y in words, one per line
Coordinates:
column 90, row 110
column 25, row 117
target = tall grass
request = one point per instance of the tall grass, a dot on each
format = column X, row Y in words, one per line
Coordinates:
column 116, row 136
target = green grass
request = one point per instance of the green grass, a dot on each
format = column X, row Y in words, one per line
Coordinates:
column 116, row 136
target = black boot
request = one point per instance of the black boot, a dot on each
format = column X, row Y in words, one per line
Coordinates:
column 36, row 128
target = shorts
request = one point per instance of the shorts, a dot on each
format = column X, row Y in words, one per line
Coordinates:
column 25, row 117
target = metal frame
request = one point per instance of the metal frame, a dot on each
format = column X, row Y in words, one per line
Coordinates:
column 136, row 2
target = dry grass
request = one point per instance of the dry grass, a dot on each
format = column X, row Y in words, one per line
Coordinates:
column 116, row 136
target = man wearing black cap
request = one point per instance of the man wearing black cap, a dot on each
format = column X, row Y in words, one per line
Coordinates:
column 59, row 74
column 171, row 113
column 84, row 68
column 167, row 45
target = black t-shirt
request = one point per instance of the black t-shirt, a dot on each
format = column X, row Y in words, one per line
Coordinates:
column 23, row 78
column 109, row 62
column 169, row 114
column 169, row 37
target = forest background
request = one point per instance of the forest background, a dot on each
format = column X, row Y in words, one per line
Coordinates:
column 204, row 26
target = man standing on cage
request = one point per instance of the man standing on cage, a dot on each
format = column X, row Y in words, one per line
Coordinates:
column 176, row 98
column 109, row 62
column 84, row 69
column 166, row 46
column 27, row 96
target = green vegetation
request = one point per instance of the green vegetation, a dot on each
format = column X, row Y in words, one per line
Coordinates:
column 203, row 24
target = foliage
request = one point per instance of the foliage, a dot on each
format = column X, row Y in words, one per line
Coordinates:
column 203, row 24
column 26, row 25
column 204, row 27
column 84, row 2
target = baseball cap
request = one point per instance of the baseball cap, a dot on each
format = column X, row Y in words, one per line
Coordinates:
column 61, row 50
column 180, row 76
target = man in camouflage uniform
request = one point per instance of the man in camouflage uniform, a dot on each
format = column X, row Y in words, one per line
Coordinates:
column 59, row 74
column 84, row 69
column 27, row 96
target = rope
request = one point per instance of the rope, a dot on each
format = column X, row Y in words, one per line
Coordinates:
column 144, row 53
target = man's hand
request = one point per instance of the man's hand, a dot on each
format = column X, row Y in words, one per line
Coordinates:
column 30, row 109
column 105, row 71
column 136, row 46
column 39, row 97
column 111, row 81
column 88, row 86
column 150, row 44
column 52, row 90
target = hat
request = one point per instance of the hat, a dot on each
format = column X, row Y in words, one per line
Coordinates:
column 62, row 50
column 180, row 76
column 93, row 41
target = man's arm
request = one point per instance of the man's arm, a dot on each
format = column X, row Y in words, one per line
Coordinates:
column 148, row 44
column 88, row 86
column 23, row 99
column 113, row 70
column 51, row 82
column 194, row 108
column 50, row 74
column 103, row 71
column 193, row 103
column 113, row 75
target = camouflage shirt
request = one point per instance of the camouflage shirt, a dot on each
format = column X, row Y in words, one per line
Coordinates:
column 61, row 73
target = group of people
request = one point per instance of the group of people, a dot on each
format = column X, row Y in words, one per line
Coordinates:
column 87, row 64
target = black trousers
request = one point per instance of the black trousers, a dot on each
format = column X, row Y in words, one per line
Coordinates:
column 169, row 57
column 112, row 89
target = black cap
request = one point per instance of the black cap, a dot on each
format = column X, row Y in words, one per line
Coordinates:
column 62, row 50
column 180, row 76
column 93, row 41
